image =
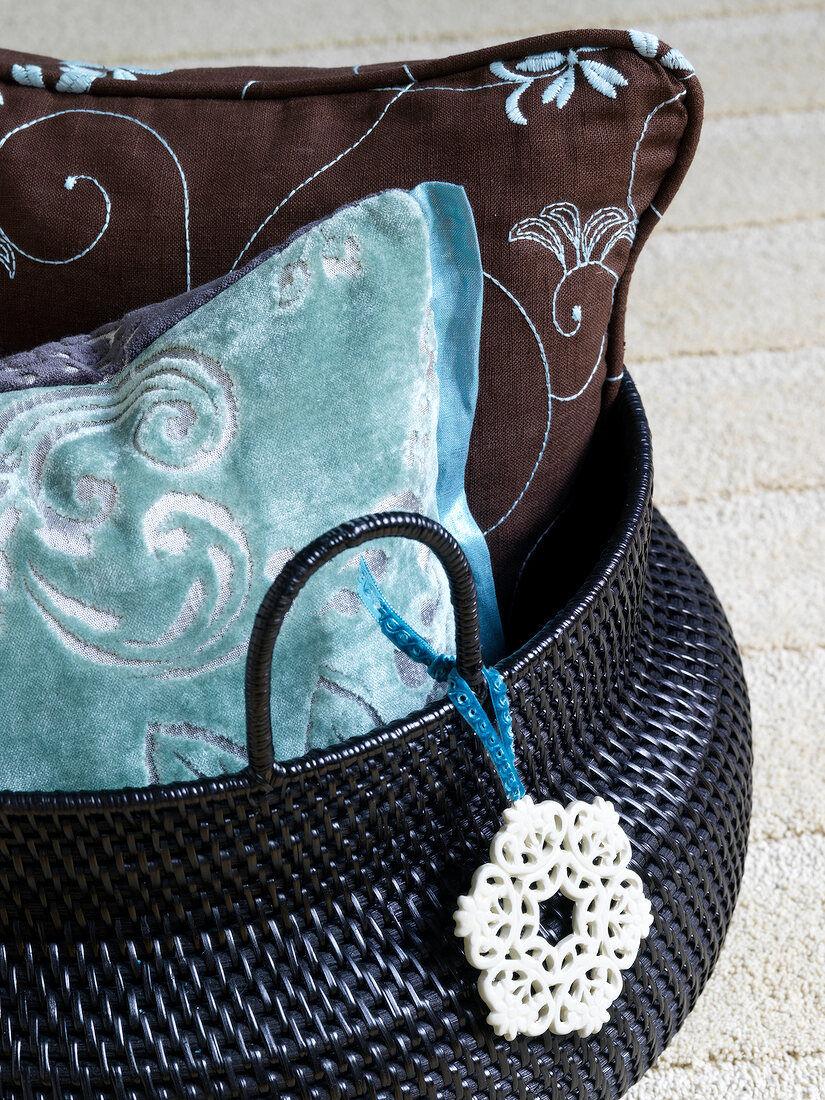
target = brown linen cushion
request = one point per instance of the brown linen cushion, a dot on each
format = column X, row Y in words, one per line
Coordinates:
column 120, row 187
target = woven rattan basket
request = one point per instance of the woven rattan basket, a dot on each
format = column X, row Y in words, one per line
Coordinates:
column 287, row 931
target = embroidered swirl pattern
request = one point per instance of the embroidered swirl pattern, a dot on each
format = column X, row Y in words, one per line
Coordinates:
column 8, row 247
column 62, row 455
column 531, row 985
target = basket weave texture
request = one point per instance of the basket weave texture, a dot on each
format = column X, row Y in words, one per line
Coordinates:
column 293, row 938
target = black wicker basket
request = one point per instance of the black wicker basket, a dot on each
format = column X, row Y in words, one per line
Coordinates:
column 288, row 932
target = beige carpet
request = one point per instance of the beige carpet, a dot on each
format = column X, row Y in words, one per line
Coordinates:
column 726, row 340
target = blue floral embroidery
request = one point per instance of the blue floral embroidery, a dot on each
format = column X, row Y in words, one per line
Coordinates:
column 78, row 76
column 674, row 59
column 562, row 68
column 648, row 45
column 644, row 43
column 29, row 75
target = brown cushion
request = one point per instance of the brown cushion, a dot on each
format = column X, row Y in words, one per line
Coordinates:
column 569, row 146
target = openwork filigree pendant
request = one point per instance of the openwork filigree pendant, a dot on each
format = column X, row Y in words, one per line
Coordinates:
column 529, row 984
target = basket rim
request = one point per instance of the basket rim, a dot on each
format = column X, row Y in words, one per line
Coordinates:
column 637, row 496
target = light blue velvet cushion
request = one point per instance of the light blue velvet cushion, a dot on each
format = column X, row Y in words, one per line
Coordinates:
column 143, row 518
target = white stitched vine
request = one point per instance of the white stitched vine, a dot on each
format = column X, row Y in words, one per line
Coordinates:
column 317, row 173
column 531, row 985
column 578, row 248
column 551, row 397
column 8, row 247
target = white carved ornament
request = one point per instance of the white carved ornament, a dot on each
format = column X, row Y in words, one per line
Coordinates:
column 529, row 984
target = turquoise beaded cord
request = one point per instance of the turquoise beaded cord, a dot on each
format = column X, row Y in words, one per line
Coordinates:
column 497, row 738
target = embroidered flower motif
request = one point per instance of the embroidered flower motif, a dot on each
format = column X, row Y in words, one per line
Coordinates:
column 78, row 76
column 674, row 59
column 562, row 68
column 530, row 985
column 31, row 76
column 558, row 228
column 648, row 45
column 644, row 43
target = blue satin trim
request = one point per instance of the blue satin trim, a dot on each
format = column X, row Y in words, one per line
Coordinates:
column 498, row 738
column 457, row 295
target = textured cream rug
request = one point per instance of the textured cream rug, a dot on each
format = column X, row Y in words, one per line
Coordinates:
column 726, row 340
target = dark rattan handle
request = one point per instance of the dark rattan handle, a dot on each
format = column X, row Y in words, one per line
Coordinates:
column 292, row 578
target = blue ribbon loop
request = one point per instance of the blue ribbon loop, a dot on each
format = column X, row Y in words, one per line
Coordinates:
column 498, row 738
